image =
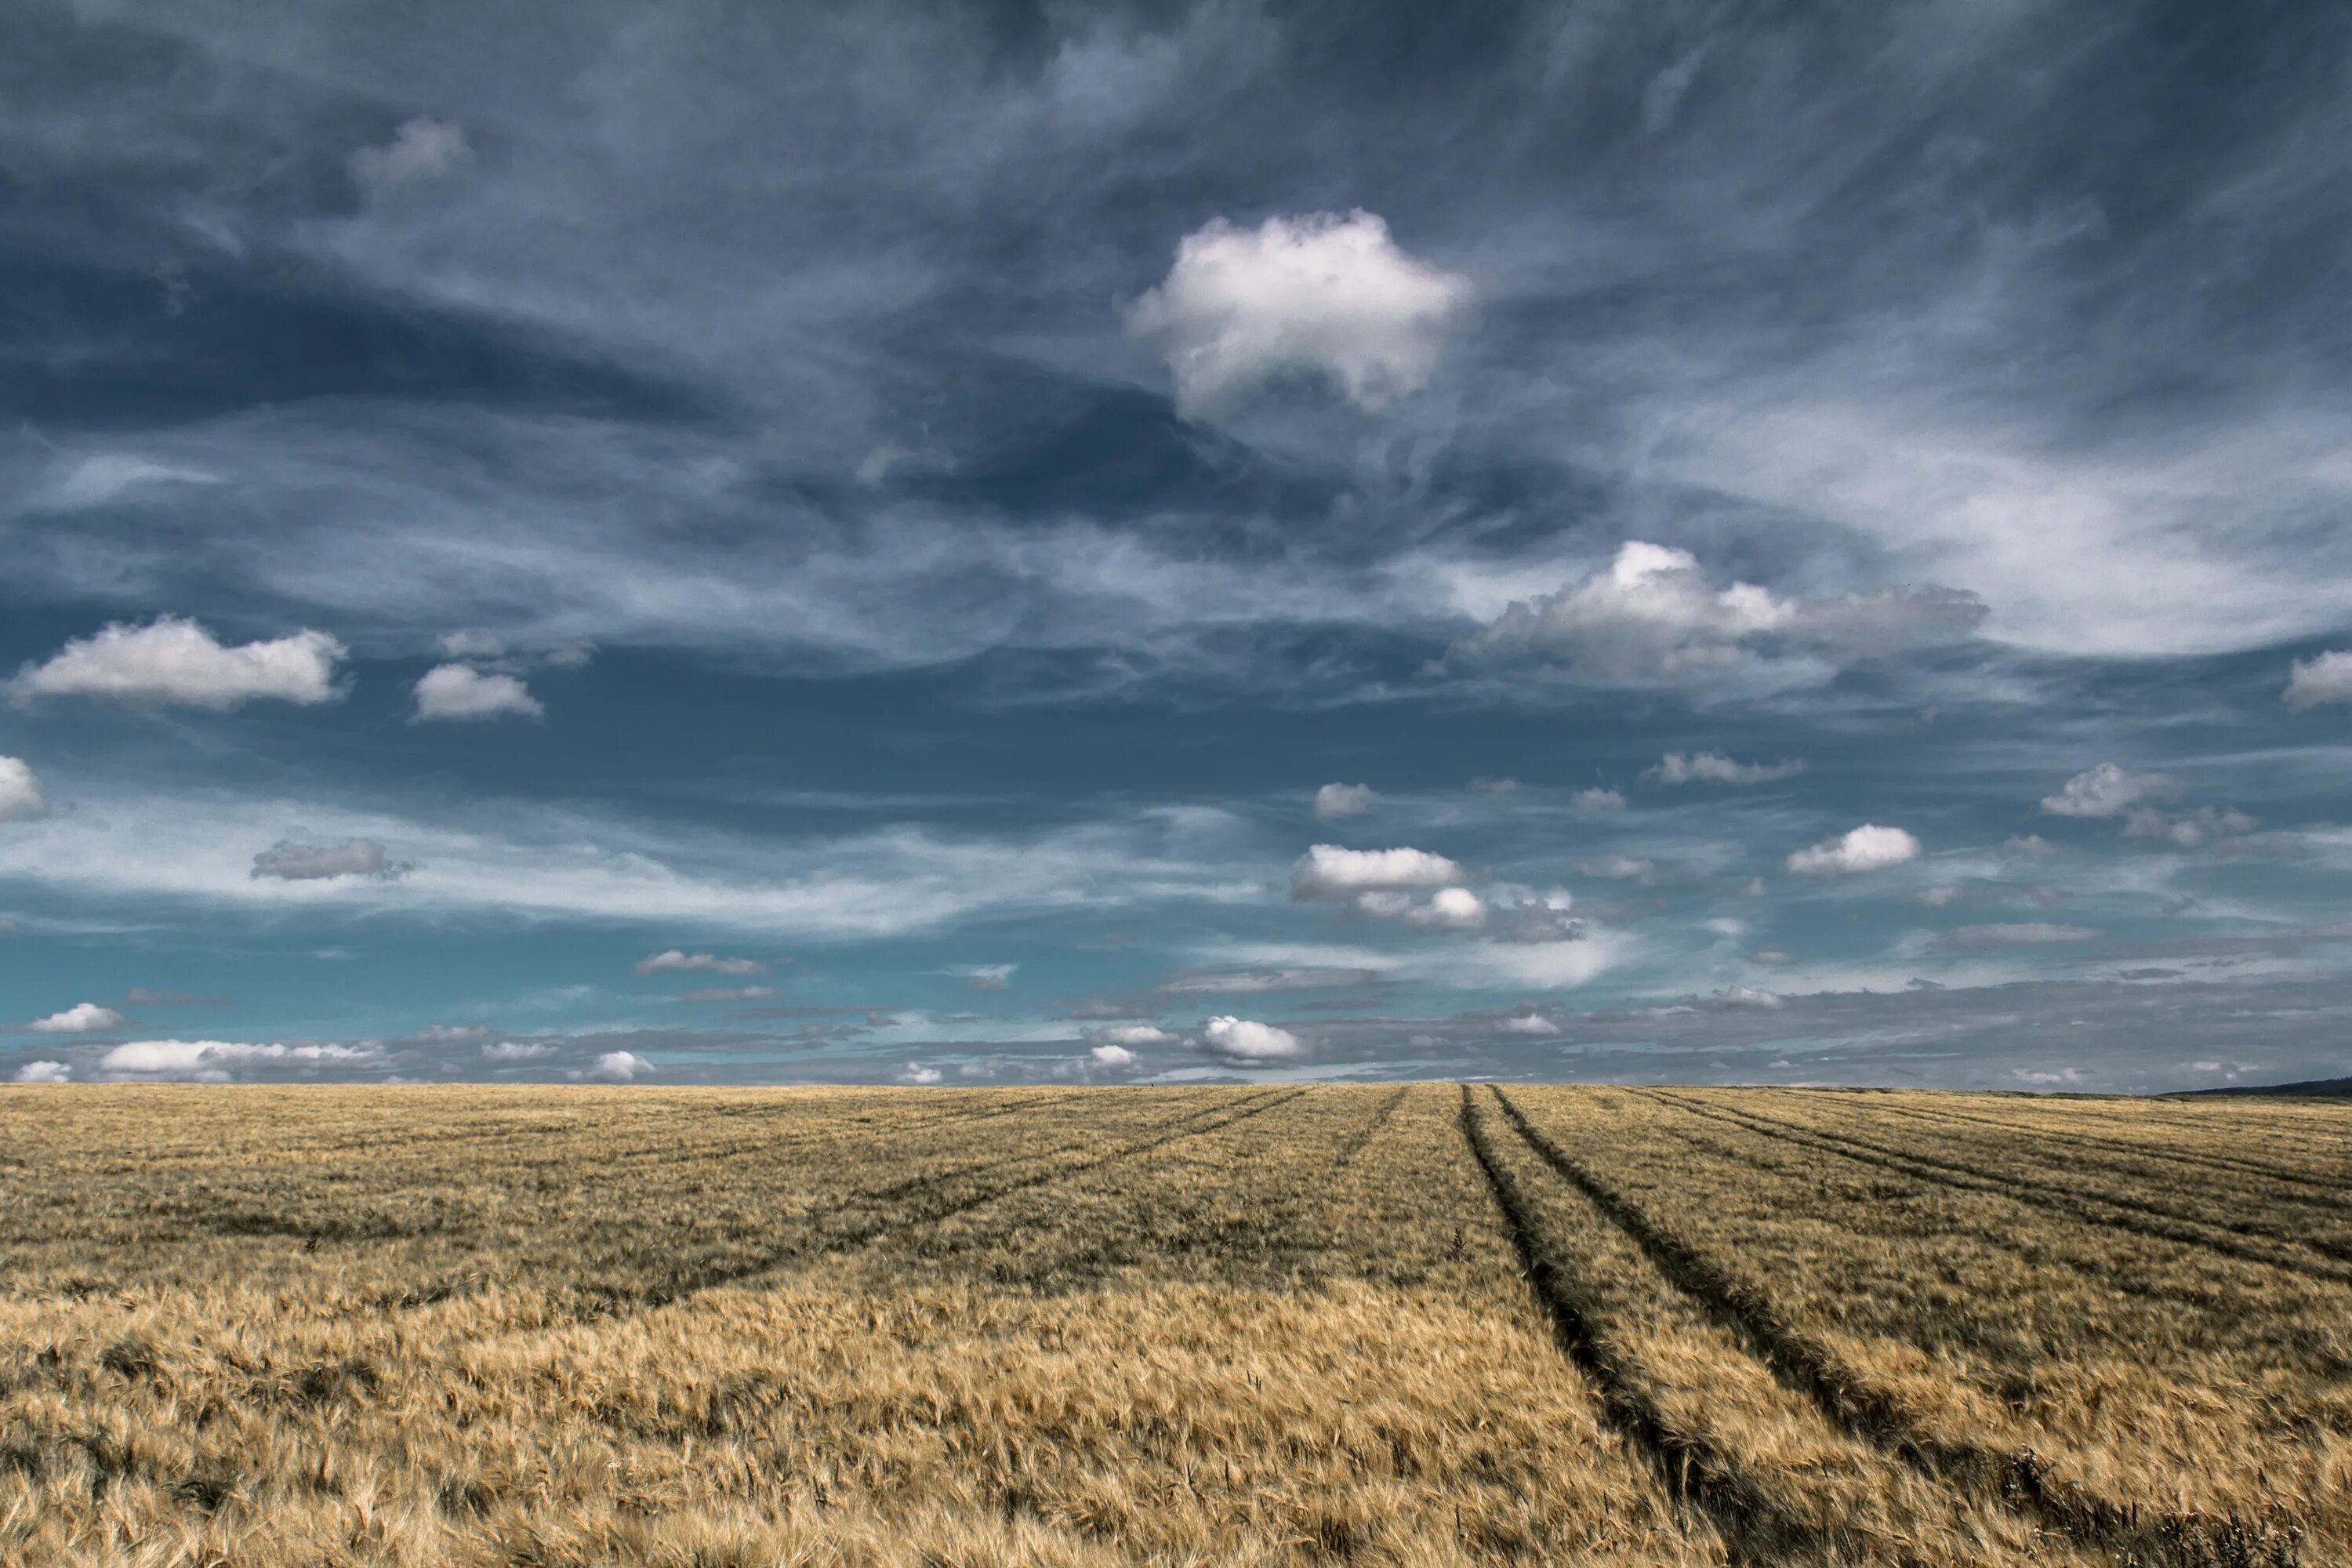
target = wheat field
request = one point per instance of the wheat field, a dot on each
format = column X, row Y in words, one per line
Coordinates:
column 1413, row 1325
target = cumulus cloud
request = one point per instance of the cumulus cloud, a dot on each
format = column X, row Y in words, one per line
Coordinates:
column 917, row 1073
column 678, row 961
column 1334, row 800
column 291, row 860
column 1127, row 1037
column 510, row 1051
column 1869, row 848
column 1325, row 296
column 21, row 796
column 1329, row 871
column 1453, row 909
column 215, row 1058
column 990, row 976
column 451, row 1034
column 1713, row 767
column 1527, row 1024
column 81, row 1018
column 1650, row 618
column 421, row 150
column 1622, row 869
column 2106, row 791
column 1242, row 1040
column 1112, row 1055
column 460, row 691
column 732, row 994
column 173, row 662
column 1937, row 897
column 2026, row 933
column 2028, row 847
column 621, row 1066
column 1596, row 802
column 2325, row 679
column 44, row 1072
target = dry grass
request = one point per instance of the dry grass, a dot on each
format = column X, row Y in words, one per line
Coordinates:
column 1207, row 1326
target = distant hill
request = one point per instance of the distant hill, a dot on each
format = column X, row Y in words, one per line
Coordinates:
column 2318, row 1086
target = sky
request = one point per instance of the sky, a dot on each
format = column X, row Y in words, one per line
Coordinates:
column 1597, row 541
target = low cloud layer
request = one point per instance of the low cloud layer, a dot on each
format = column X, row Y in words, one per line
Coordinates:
column 1651, row 618
column 293, row 860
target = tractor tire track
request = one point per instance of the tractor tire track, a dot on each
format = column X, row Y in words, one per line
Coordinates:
column 2017, row 1481
column 2329, row 1193
column 1755, row 1532
column 2086, row 1261
column 1362, row 1137
column 2136, row 1219
column 1192, row 1124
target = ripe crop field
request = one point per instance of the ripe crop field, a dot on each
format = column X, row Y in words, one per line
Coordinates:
column 1426, row 1325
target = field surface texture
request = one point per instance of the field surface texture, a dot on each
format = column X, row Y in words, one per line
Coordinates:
column 1427, row 1325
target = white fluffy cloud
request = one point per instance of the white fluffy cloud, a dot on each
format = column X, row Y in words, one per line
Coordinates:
column 44, row 1072
column 990, row 976
column 2106, row 791
column 21, row 796
column 1329, row 871
column 1452, row 909
column 1334, row 800
column 1324, row 296
column 917, row 1073
column 214, row 1058
column 1527, row 1024
column 291, row 860
column 422, row 149
column 81, row 1018
column 461, row 692
column 508, row 1051
column 2325, row 679
column 1126, row 1037
column 1869, row 848
column 1622, row 869
column 1650, row 618
column 676, row 961
column 176, row 662
column 1112, row 1056
column 1596, row 802
column 1242, row 1040
column 621, row 1066
column 1713, row 767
